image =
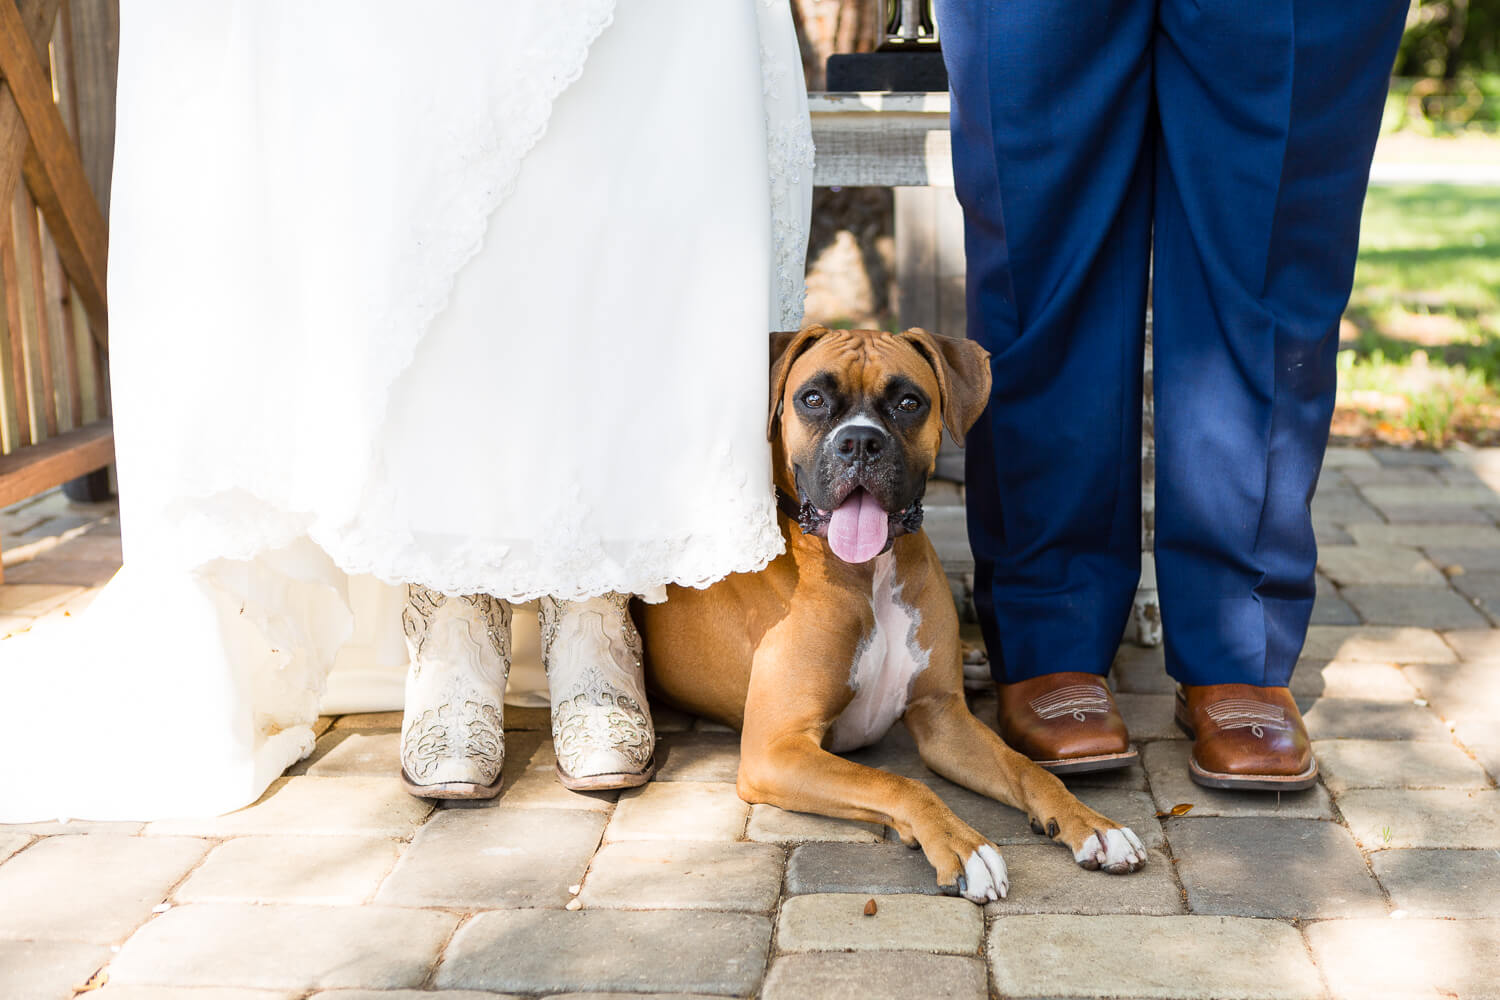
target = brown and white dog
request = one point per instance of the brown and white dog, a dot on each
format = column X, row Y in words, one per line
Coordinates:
column 854, row 626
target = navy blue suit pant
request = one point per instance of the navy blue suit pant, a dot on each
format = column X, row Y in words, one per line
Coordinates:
column 1229, row 142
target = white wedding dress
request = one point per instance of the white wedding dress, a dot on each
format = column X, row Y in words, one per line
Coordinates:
column 474, row 295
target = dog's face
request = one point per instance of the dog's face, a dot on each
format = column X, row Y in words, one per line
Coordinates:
column 856, row 418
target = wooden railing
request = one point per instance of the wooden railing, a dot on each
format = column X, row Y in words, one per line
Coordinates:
column 57, row 78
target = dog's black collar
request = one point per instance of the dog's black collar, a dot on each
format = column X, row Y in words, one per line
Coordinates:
column 788, row 506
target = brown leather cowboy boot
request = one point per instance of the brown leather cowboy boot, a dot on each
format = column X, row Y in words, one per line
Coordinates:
column 1066, row 722
column 1246, row 737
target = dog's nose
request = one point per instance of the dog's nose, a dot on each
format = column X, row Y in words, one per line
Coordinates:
column 859, row 443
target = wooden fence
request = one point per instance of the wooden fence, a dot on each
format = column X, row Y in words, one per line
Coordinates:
column 57, row 60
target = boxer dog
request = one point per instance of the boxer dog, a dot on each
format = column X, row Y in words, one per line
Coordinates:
column 854, row 626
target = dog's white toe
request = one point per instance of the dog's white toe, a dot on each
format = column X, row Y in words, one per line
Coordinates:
column 985, row 878
column 1121, row 851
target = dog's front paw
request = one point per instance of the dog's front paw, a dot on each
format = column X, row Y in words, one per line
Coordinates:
column 984, row 879
column 1116, row 851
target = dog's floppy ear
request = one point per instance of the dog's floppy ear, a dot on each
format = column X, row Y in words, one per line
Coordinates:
column 963, row 374
column 786, row 347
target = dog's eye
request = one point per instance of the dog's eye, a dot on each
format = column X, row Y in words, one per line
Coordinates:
column 909, row 404
column 812, row 400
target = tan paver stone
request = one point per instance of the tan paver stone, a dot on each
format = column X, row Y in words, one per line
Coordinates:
column 771, row 825
column 1346, row 764
column 1460, row 495
column 1343, row 507
column 284, row 947
column 867, row 868
column 367, row 806
column 698, row 757
column 1426, row 536
column 1345, row 679
column 1262, row 867
column 554, row 951
column 1044, row 878
column 61, row 570
column 1149, row 716
column 317, row 870
column 1487, row 752
column 1441, row 883
column 534, row 785
column 591, row 996
column 528, row 718
column 1478, row 644
column 892, row 975
column 679, row 810
column 378, row 720
column 1426, row 607
column 692, row 875
column 47, row 970
column 71, row 826
column 322, row 725
column 1387, row 959
column 1378, row 564
column 838, row 922
column 1376, row 644
column 1186, row 957
column 96, row 888
column 1353, row 718
column 367, row 753
column 487, row 858
column 1423, row 818
column 202, row 993
column 29, row 600
column 1461, row 692
column 10, row 843
column 1167, row 765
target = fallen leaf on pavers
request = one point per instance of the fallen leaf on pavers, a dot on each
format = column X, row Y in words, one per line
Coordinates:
column 1180, row 809
column 870, row 908
column 1454, row 570
column 96, row 981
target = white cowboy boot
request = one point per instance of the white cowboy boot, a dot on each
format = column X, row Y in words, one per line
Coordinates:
column 452, row 734
column 601, row 726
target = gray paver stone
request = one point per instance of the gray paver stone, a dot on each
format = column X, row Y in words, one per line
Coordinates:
column 1481, row 645
column 1259, row 867
column 1148, row 716
column 1345, row 459
column 771, row 825
column 1167, row 765
column 95, row 888
column 679, row 810
column 533, row 784
column 328, row 870
column 553, row 951
column 1483, row 589
column 1423, row 818
column 1381, row 495
column 1427, row 607
column 867, row 868
column 1167, row 957
column 1471, row 560
column 1140, row 670
column 892, row 975
column 1377, row 564
column 1346, row 764
column 698, row 757
column 895, row 752
column 700, row 875
column 1434, row 513
column 1344, row 679
column 1328, row 533
column 1426, row 536
column 1343, row 506
column 377, row 807
column 1354, row 718
column 1044, row 878
column 1376, row 644
column 385, row 720
column 284, row 947
column 412, row 995
column 47, row 970
column 495, row 857
column 1330, row 609
column 838, row 922
column 1386, row 959
column 1409, row 458
column 1441, row 883
column 1127, row 808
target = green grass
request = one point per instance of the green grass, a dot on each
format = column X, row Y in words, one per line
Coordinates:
column 1426, row 308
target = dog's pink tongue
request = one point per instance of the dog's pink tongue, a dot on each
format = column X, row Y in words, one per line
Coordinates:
column 858, row 528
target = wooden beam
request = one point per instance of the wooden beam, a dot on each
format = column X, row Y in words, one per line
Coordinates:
column 54, row 172
column 38, row 16
column 71, row 454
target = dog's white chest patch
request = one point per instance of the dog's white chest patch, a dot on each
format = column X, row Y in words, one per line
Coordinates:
column 887, row 662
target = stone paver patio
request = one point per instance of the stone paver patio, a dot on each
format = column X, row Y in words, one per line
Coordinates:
column 1384, row 881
